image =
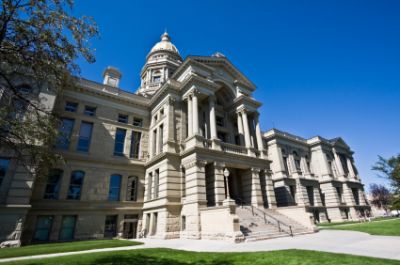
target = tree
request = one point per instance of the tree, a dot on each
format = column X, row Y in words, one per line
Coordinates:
column 390, row 168
column 39, row 42
column 381, row 196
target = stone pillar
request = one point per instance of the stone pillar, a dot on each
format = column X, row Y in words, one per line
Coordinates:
column 269, row 189
column 240, row 128
column 256, row 196
column 219, row 183
column 338, row 163
column 190, row 116
column 195, row 114
column 350, row 167
column 246, row 129
column 260, row 143
column 213, row 125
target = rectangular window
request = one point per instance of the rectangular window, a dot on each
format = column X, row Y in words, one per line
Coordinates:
column 115, row 187
column 220, row 121
column 119, row 142
column 90, row 111
column 221, row 136
column 67, row 228
column 71, row 106
column 285, row 164
column 75, row 185
column 356, row 196
column 110, row 227
column 53, row 184
column 343, row 161
column 131, row 190
column 310, row 194
column 135, row 144
column 43, row 228
column 85, row 133
column 65, row 131
column 156, row 183
column 4, row 163
column 122, row 118
column 297, row 163
column 138, row 122
column 339, row 193
column 161, row 139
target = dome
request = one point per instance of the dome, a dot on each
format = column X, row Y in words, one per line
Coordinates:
column 164, row 45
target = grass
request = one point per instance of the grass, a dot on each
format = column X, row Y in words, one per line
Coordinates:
column 354, row 222
column 384, row 228
column 178, row 257
column 63, row 247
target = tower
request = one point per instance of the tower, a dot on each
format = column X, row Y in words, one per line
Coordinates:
column 161, row 63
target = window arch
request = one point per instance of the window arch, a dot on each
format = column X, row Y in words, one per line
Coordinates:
column 115, row 187
column 132, row 188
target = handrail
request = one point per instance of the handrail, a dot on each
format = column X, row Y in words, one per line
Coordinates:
column 278, row 223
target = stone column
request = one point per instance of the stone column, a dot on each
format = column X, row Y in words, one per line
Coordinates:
column 195, row 114
column 246, row 129
column 258, row 133
column 240, row 128
column 338, row 163
column 219, row 183
column 189, row 116
column 350, row 167
column 213, row 126
column 256, row 196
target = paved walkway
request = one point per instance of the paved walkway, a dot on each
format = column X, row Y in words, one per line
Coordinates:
column 336, row 241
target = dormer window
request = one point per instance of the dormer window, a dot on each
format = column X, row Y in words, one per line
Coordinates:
column 156, row 79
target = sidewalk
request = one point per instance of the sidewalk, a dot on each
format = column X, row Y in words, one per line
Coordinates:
column 335, row 241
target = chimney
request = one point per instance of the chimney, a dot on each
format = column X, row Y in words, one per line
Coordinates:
column 111, row 76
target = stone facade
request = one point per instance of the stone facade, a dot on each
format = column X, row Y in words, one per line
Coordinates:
column 175, row 160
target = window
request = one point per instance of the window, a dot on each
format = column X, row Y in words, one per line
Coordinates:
column 138, row 122
column 310, row 194
column 65, row 131
column 220, row 121
column 4, row 163
column 43, row 228
column 122, row 118
column 115, row 187
column 339, row 193
column 110, row 227
column 221, row 136
column 131, row 191
column 67, row 228
column 53, row 184
column 356, row 196
column 162, row 112
column 285, row 164
column 75, row 185
column 119, row 142
column 157, row 79
column 343, row 161
column 156, row 183
column 161, row 139
column 149, row 186
column 135, row 144
column 183, row 225
column 85, row 134
column 293, row 193
column 71, row 106
column 90, row 111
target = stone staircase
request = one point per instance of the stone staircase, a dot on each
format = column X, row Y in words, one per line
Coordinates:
column 259, row 224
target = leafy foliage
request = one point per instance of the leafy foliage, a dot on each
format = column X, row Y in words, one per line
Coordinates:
column 380, row 196
column 390, row 169
column 39, row 41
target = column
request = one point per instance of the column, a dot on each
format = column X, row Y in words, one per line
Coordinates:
column 195, row 114
column 260, row 143
column 240, row 128
column 219, row 183
column 350, row 167
column 189, row 116
column 269, row 188
column 213, row 126
column 256, row 195
column 338, row 163
column 246, row 129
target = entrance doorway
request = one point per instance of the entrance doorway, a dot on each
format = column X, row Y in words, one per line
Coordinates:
column 130, row 230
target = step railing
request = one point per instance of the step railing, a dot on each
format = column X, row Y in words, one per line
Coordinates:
column 268, row 218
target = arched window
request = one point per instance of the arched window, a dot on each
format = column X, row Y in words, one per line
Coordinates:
column 132, row 188
column 75, row 185
column 115, row 187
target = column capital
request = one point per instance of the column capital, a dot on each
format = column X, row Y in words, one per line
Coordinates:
column 255, row 170
column 219, row 165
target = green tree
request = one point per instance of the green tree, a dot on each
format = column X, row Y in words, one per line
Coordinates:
column 389, row 169
column 39, row 43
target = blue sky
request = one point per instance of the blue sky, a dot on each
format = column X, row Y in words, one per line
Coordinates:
column 329, row 68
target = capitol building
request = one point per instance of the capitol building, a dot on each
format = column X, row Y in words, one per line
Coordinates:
column 183, row 157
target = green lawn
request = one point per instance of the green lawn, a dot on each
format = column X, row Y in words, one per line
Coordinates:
column 63, row 247
column 383, row 227
column 177, row 257
column 354, row 222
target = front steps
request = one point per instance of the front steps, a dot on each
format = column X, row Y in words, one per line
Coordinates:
column 259, row 224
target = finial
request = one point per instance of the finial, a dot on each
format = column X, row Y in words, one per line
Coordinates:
column 165, row 36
